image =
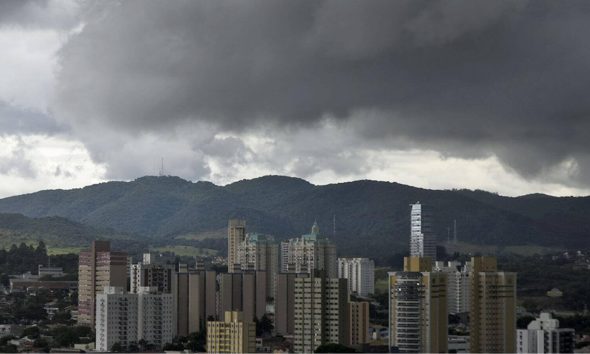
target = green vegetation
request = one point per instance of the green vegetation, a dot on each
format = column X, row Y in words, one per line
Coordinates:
column 372, row 217
column 334, row 348
column 189, row 251
column 195, row 342
column 60, row 234
column 381, row 280
column 54, row 251
column 26, row 258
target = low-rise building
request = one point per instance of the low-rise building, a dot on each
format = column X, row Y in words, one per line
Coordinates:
column 232, row 335
column 543, row 335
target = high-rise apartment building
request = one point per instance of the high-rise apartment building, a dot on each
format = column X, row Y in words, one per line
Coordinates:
column 422, row 237
column 321, row 312
column 232, row 335
column 151, row 275
column 195, row 299
column 98, row 268
column 543, row 335
column 260, row 253
column 360, row 273
column 244, row 292
column 358, row 314
column 309, row 253
column 159, row 258
column 236, row 233
column 127, row 319
column 458, row 285
column 417, row 308
column 285, row 303
column 492, row 315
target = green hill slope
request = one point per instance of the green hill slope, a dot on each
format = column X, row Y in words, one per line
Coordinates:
column 56, row 232
column 372, row 218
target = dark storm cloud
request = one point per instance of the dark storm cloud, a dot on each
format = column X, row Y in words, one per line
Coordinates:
column 466, row 78
column 38, row 13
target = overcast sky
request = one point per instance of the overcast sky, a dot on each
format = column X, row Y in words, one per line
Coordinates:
column 436, row 94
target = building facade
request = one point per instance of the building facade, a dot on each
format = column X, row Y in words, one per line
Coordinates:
column 260, row 253
column 418, row 308
column 236, row 233
column 458, row 285
column 543, row 335
column 232, row 335
column 309, row 253
column 98, row 268
column 320, row 313
column 243, row 292
column 422, row 237
column 154, row 275
column 492, row 315
column 360, row 273
column 195, row 299
column 285, row 303
column 127, row 319
column 358, row 314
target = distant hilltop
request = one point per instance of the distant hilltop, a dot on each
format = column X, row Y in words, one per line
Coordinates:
column 371, row 218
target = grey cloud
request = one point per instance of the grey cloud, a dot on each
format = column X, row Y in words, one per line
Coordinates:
column 56, row 14
column 466, row 78
column 16, row 120
column 17, row 163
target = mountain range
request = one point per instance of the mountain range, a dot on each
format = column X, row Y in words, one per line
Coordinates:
column 365, row 218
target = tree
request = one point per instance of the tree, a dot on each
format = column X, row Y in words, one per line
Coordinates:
column 117, row 348
column 334, row 348
column 196, row 341
column 263, row 326
column 31, row 332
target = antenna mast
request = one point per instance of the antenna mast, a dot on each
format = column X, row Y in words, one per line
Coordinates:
column 161, row 173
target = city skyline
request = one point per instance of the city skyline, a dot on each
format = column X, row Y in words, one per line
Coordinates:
column 486, row 96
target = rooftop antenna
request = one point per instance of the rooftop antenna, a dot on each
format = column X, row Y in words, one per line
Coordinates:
column 161, row 173
column 455, row 231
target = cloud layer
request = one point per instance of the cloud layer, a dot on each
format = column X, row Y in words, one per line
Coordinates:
column 227, row 89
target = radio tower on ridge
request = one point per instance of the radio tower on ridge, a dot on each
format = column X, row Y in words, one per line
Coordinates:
column 161, row 172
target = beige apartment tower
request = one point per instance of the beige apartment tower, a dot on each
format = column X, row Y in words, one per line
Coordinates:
column 285, row 303
column 232, row 335
column 236, row 233
column 321, row 313
column 244, row 292
column 418, row 308
column 359, row 323
column 194, row 294
column 260, row 253
column 493, row 308
column 98, row 268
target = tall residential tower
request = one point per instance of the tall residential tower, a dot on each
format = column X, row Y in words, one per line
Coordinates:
column 422, row 237
column 236, row 233
column 492, row 315
column 98, row 268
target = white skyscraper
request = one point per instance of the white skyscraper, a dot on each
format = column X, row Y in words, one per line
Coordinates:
column 543, row 335
column 422, row 238
column 126, row 318
column 360, row 273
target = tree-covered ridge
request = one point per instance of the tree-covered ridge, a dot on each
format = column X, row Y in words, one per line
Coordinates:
column 53, row 230
column 372, row 218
